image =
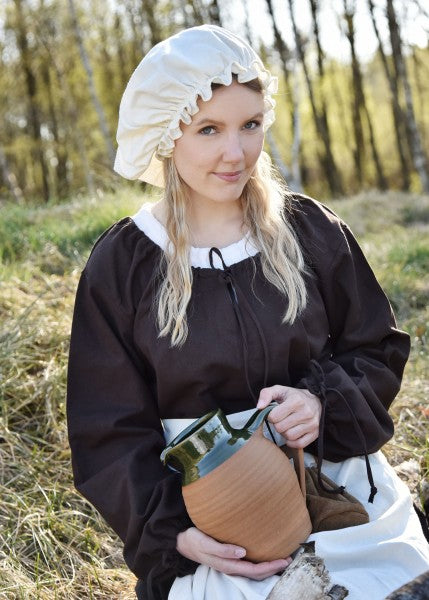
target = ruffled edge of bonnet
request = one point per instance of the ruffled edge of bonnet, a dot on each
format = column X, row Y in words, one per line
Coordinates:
column 205, row 92
column 148, row 165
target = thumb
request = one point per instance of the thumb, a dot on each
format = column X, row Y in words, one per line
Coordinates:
column 264, row 398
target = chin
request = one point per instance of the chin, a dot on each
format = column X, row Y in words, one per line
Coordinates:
column 230, row 193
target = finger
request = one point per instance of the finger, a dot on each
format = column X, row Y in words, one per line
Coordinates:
column 291, row 434
column 292, row 421
column 296, row 432
column 291, row 413
column 258, row 570
column 212, row 547
column 303, row 441
column 267, row 395
column 283, row 416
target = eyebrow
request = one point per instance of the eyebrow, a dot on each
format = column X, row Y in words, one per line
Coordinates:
column 208, row 121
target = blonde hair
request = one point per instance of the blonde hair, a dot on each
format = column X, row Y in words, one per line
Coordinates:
column 265, row 202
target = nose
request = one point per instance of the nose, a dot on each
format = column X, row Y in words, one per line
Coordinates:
column 233, row 148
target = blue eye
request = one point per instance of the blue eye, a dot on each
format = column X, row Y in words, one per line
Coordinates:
column 208, row 130
column 252, row 125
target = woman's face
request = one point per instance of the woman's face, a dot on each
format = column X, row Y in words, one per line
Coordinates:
column 218, row 151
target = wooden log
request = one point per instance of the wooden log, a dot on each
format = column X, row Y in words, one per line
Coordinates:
column 417, row 589
column 306, row 578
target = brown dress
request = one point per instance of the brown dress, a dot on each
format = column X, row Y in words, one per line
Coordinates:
column 123, row 378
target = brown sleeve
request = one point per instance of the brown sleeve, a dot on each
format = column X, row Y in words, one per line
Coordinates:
column 116, row 438
column 361, row 370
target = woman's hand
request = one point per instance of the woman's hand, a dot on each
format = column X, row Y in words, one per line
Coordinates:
column 226, row 558
column 297, row 416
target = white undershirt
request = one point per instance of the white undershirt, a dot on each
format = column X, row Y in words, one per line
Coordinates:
column 234, row 253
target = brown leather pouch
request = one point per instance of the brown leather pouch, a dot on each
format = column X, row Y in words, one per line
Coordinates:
column 331, row 510
column 327, row 510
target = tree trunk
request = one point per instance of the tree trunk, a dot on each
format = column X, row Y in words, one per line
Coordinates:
column 320, row 116
column 420, row 86
column 283, row 51
column 296, row 181
column 398, row 116
column 276, row 156
column 31, row 85
column 149, row 14
column 419, row 158
column 314, row 7
column 71, row 113
column 247, row 29
column 118, row 34
column 10, row 179
column 106, row 61
column 381, row 178
column 285, row 56
column 95, row 101
column 343, row 113
column 357, row 94
column 62, row 187
column 137, row 47
column 214, row 13
column 197, row 11
column 360, row 106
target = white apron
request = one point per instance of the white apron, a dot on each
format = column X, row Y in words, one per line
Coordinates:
column 370, row 560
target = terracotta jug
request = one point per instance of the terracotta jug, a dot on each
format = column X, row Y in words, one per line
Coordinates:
column 239, row 487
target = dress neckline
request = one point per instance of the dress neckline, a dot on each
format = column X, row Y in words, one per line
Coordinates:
column 155, row 231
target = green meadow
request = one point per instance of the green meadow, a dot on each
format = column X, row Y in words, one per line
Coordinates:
column 53, row 545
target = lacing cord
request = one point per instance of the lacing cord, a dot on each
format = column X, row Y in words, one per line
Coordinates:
column 233, row 288
column 320, row 389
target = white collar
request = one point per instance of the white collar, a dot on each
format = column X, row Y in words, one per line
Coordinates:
column 234, row 253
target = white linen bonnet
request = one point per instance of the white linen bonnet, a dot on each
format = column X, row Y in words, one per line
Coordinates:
column 164, row 90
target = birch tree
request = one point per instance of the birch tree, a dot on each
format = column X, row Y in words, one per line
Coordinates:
column 70, row 112
column 397, row 113
column 136, row 42
column 197, row 12
column 419, row 158
column 149, row 14
column 285, row 54
column 419, row 75
column 214, row 13
column 360, row 108
column 31, row 83
column 320, row 116
column 90, row 76
column 9, row 178
column 122, row 63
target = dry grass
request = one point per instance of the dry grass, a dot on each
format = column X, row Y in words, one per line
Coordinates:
column 53, row 545
column 393, row 229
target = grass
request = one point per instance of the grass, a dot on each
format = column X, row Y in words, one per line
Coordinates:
column 53, row 545
column 61, row 231
column 393, row 229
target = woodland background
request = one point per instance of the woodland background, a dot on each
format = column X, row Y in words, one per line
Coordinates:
column 352, row 129
column 343, row 125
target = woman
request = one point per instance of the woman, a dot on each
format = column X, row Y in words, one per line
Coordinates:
column 227, row 293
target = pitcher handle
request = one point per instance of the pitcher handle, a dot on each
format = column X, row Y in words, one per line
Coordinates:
column 297, row 455
column 258, row 417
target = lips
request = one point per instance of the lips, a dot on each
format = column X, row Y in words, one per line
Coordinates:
column 230, row 177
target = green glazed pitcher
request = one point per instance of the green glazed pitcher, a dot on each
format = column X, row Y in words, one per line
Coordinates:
column 239, row 487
